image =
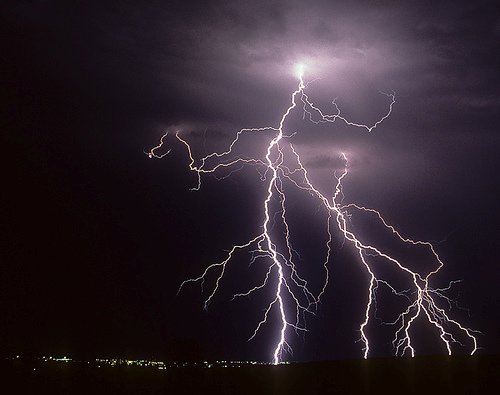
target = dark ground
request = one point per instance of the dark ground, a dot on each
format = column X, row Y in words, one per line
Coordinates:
column 429, row 375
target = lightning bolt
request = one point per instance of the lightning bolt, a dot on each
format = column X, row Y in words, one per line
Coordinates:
column 281, row 164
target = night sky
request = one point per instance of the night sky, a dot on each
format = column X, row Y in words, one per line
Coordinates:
column 97, row 237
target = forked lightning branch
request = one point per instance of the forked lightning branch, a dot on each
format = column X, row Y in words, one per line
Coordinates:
column 280, row 164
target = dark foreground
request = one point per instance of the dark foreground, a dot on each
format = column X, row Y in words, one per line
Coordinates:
column 421, row 375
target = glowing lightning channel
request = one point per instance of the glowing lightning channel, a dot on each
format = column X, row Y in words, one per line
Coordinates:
column 290, row 289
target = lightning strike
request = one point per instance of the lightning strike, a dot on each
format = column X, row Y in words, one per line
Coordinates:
column 280, row 163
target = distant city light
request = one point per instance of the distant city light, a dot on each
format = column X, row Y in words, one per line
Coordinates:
column 147, row 363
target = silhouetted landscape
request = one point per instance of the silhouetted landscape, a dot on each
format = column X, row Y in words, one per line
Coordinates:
column 429, row 375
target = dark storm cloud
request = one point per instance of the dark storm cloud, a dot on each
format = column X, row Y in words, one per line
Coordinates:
column 443, row 46
column 324, row 161
column 230, row 64
column 214, row 62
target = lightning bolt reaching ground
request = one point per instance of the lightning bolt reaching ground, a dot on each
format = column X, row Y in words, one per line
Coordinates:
column 280, row 163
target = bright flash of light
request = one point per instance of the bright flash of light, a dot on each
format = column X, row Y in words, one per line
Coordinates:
column 280, row 164
column 299, row 70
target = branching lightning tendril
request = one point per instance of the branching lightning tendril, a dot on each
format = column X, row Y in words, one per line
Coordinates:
column 289, row 287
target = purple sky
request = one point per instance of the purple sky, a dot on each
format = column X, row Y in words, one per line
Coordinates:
column 98, row 237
